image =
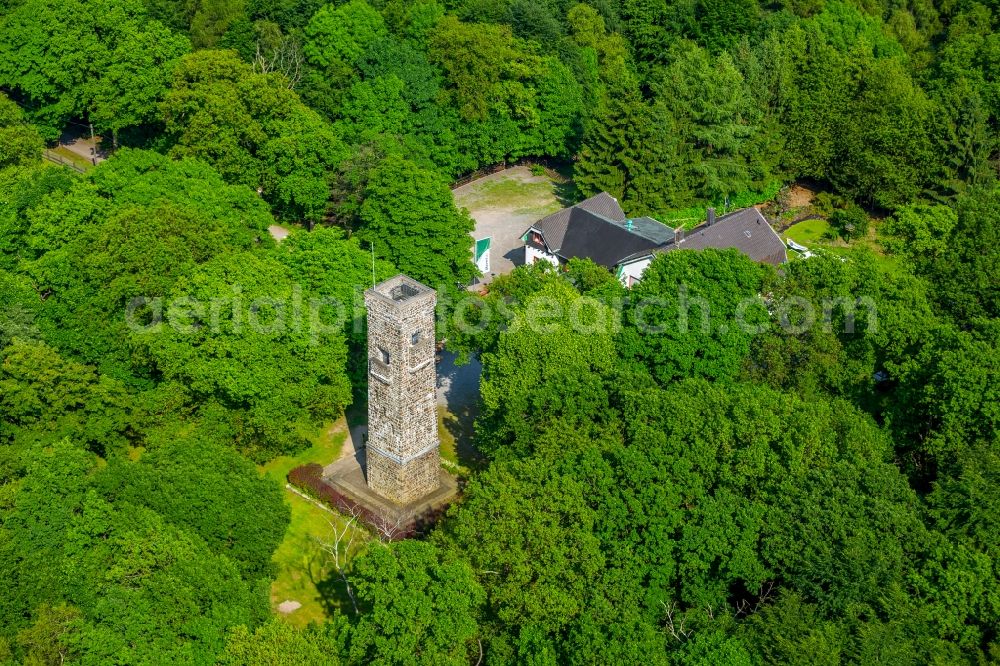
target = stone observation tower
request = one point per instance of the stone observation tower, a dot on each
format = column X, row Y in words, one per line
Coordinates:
column 402, row 457
column 397, row 477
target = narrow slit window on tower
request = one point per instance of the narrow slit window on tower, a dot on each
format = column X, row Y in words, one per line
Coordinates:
column 383, row 355
column 415, row 338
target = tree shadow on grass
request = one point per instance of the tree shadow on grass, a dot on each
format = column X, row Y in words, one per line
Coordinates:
column 333, row 595
column 460, row 429
column 325, row 577
column 567, row 193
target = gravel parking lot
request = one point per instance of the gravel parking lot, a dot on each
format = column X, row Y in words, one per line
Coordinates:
column 504, row 205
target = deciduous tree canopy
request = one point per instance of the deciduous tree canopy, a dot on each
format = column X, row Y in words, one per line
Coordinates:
column 726, row 463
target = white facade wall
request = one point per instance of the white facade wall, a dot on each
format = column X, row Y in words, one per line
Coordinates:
column 631, row 273
column 533, row 254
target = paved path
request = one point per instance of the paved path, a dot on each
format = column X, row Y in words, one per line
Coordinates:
column 457, row 385
column 82, row 145
column 354, row 443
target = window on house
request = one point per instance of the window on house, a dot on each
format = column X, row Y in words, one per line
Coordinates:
column 536, row 238
column 383, row 355
column 415, row 338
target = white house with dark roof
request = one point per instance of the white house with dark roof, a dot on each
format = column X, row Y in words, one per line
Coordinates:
column 597, row 229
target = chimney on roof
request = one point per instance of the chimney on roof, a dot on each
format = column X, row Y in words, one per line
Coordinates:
column 678, row 235
column 711, row 217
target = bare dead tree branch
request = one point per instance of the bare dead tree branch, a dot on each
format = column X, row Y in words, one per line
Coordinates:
column 387, row 525
column 676, row 629
column 764, row 598
column 339, row 550
column 284, row 58
column 743, row 608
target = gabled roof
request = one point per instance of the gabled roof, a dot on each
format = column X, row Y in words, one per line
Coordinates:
column 553, row 227
column 604, row 205
column 601, row 240
column 597, row 229
column 745, row 230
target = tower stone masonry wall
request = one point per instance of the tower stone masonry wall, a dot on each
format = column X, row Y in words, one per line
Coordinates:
column 402, row 456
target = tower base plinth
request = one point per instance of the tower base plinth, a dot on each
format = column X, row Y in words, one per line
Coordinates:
column 347, row 477
column 404, row 483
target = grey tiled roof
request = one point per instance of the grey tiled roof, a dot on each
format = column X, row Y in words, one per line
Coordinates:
column 601, row 240
column 598, row 230
column 554, row 226
column 605, row 205
column 745, row 230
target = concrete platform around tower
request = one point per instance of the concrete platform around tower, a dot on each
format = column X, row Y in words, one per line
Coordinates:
column 348, row 478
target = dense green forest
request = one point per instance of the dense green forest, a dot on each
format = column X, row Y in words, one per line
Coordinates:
column 816, row 490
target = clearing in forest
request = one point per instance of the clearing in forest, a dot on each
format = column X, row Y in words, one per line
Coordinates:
column 304, row 571
column 813, row 228
column 505, row 204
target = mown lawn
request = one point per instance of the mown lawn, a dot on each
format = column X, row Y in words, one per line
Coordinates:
column 814, row 235
column 458, row 454
column 809, row 231
column 517, row 191
column 303, row 568
column 325, row 448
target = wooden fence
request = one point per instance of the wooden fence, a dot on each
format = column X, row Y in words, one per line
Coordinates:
column 490, row 170
column 56, row 158
column 480, row 173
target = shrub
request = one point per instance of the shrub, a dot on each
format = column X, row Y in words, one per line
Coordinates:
column 309, row 479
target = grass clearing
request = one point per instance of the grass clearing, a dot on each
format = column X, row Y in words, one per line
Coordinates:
column 815, row 235
column 303, row 568
column 531, row 195
column 74, row 158
column 326, row 445
column 811, row 231
column 457, row 450
column 449, row 450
